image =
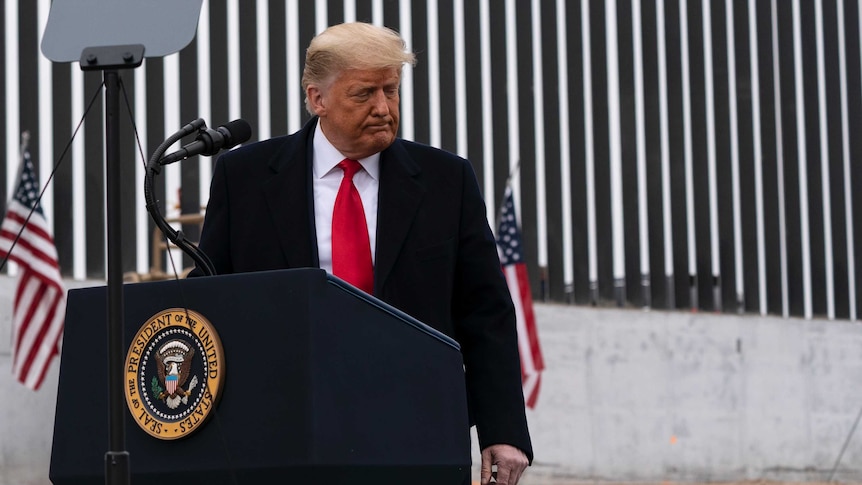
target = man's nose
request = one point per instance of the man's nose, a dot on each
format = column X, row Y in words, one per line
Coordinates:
column 380, row 103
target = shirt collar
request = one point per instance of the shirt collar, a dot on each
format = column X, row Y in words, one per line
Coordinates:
column 327, row 157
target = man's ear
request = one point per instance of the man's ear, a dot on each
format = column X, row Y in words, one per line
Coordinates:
column 315, row 99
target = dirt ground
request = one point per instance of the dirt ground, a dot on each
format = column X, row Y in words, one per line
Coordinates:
column 544, row 479
column 549, row 479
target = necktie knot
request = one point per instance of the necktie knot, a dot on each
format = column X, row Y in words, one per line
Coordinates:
column 350, row 167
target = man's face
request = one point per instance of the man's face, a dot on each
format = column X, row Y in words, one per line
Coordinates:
column 359, row 110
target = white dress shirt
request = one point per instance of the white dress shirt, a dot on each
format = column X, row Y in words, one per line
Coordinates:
column 325, row 180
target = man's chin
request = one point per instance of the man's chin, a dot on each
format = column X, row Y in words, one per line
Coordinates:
column 381, row 141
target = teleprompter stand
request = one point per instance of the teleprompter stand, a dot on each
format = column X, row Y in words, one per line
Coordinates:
column 324, row 385
column 108, row 36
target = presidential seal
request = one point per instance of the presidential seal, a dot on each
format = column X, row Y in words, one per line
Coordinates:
column 174, row 373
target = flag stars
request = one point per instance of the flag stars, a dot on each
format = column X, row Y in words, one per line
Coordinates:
column 27, row 192
column 508, row 235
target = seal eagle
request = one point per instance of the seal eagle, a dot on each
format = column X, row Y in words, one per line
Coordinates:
column 175, row 362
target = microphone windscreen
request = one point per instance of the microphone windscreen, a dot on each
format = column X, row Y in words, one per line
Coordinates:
column 240, row 132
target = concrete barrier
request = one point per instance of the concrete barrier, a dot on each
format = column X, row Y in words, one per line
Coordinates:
column 26, row 417
column 632, row 395
column 627, row 396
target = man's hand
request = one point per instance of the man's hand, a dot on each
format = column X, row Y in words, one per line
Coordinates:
column 511, row 463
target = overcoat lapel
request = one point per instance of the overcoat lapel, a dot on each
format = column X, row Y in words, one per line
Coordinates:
column 288, row 199
column 401, row 191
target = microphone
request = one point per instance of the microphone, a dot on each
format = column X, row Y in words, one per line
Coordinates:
column 209, row 141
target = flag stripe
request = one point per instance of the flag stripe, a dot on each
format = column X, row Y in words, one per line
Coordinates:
column 527, row 364
column 18, row 216
column 26, row 252
column 529, row 316
column 38, row 354
column 23, row 294
column 38, row 309
column 531, row 389
column 47, row 270
column 532, row 362
column 52, row 334
column 34, row 242
column 27, row 310
column 34, row 247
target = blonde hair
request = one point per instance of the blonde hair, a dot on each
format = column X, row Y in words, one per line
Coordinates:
column 354, row 45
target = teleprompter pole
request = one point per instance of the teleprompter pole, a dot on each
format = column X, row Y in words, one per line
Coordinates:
column 109, row 59
column 117, row 471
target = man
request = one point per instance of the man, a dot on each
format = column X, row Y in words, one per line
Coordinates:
column 277, row 204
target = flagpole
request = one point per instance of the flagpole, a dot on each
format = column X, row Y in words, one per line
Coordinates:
column 512, row 172
column 25, row 143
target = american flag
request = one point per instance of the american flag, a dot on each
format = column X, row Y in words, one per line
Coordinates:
column 515, row 269
column 40, row 299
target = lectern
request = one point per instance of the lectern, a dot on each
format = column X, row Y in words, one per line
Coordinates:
column 323, row 384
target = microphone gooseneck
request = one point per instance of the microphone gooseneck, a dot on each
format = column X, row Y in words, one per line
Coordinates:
column 208, row 143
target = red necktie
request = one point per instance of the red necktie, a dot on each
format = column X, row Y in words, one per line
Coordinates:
column 351, row 249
